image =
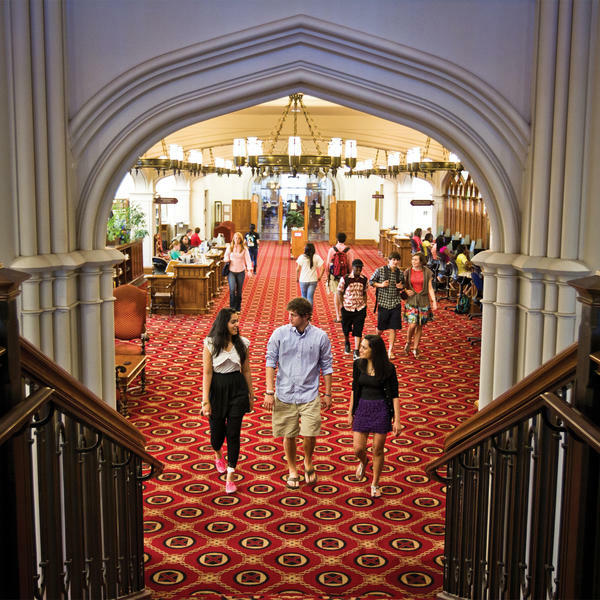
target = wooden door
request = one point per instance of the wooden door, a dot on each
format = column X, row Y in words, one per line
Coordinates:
column 240, row 214
column 346, row 219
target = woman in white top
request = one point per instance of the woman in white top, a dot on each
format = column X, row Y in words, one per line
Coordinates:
column 309, row 270
column 227, row 392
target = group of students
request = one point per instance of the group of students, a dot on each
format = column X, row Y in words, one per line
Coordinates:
column 392, row 286
column 297, row 355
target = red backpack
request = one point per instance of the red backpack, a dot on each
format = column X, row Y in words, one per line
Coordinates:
column 339, row 263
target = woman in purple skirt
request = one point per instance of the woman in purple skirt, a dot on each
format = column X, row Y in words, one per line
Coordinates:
column 374, row 405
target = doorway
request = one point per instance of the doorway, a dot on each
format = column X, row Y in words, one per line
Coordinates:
column 286, row 201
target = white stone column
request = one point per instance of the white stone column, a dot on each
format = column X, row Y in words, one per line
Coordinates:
column 30, row 309
column 91, row 328
column 505, row 342
column 47, row 314
column 550, row 309
column 108, row 335
column 566, row 318
column 65, row 320
column 488, row 336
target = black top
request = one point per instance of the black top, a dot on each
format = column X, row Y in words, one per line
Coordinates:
column 372, row 388
column 389, row 385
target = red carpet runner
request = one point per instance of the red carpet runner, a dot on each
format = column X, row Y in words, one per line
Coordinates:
column 332, row 540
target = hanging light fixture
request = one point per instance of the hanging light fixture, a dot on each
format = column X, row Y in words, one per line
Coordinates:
column 248, row 152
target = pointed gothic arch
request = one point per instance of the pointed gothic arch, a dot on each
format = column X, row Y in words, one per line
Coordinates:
column 375, row 76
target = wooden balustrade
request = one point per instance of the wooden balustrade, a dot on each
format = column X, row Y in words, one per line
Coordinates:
column 523, row 478
column 72, row 471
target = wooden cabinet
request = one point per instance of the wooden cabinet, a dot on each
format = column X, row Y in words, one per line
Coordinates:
column 131, row 270
column 298, row 241
column 193, row 288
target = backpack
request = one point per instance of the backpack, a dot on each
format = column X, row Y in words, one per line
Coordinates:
column 463, row 305
column 339, row 263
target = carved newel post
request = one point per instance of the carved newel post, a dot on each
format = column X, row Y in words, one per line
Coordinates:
column 587, row 388
column 10, row 361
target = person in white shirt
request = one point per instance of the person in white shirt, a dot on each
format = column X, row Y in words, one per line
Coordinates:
column 227, row 392
column 309, row 271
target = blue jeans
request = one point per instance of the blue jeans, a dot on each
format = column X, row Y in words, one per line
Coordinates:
column 236, row 283
column 307, row 290
column 253, row 256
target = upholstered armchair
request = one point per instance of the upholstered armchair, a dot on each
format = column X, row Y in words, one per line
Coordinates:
column 130, row 338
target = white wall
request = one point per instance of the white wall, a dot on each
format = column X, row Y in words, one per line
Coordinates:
column 129, row 32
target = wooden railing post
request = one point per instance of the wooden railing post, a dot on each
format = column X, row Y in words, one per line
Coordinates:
column 10, row 362
column 16, row 525
column 579, row 548
column 587, row 388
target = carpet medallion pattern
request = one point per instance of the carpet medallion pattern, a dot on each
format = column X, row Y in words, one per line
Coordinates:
column 328, row 540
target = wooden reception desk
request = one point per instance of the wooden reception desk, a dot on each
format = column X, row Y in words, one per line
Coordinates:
column 194, row 289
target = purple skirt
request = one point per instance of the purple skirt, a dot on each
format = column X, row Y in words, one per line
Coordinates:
column 372, row 416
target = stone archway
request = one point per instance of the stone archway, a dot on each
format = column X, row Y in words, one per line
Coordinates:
column 137, row 109
column 379, row 77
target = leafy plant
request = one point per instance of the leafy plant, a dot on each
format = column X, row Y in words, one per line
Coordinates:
column 294, row 219
column 125, row 223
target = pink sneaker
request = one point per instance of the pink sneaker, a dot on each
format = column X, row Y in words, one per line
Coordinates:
column 221, row 465
column 230, row 487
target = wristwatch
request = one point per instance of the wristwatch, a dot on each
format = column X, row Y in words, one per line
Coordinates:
column 269, row 393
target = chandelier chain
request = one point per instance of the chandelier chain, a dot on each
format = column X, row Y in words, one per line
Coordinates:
column 314, row 132
column 277, row 131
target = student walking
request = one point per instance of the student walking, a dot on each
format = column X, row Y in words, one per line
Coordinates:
column 421, row 302
column 388, row 282
column 339, row 259
column 352, row 292
column 238, row 257
column 374, row 406
column 299, row 352
column 252, row 240
column 227, row 392
column 309, row 271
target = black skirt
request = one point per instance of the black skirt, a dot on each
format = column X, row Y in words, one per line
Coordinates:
column 229, row 395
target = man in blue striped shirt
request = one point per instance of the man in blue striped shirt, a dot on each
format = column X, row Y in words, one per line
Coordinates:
column 300, row 352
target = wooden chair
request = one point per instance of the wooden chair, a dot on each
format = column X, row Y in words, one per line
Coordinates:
column 162, row 292
column 130, row 339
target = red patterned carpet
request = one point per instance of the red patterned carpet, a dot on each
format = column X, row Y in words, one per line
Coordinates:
column 331, row 540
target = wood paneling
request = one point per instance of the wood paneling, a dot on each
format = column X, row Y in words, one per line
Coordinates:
column 241, row 211
column 464, row 211
column 346, row 219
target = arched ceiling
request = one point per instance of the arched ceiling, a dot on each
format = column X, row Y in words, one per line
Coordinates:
column 331, row 120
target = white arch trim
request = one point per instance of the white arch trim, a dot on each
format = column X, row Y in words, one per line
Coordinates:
column 319, row 58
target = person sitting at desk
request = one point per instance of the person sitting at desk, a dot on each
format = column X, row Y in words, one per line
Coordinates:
column 184, row 244
column 195, row 240
column 175, row 250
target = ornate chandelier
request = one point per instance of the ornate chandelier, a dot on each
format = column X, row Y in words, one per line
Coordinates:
column 248, row 152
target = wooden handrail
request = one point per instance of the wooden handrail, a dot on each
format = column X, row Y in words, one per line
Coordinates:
column 517, row 404
column 549, row 376
column 80, row 402
column 12, row 422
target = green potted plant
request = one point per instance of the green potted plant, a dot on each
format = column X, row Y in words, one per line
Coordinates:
column 125, row 224
column 294, row 219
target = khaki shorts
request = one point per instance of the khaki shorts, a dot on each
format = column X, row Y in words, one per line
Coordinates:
column 333, row 285
column 289, row 420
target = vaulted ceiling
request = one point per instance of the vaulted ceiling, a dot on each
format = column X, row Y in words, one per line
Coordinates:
column 374, row 135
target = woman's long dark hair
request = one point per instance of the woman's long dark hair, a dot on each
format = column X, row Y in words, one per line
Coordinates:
column 379, row 357
column 219, row 333
column 309, row 250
